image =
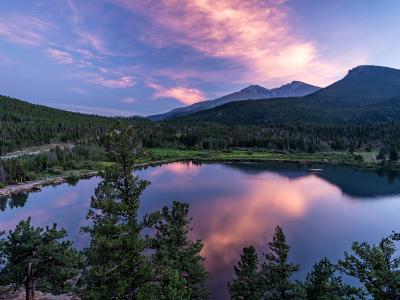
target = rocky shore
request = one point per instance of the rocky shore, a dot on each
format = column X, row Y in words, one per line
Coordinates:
column 36, row 185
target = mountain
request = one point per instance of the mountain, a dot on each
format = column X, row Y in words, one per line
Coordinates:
column 363, row 84
column 293, row 89
column 365, row 94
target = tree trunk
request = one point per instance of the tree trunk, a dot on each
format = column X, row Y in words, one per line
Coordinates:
column 29, row 283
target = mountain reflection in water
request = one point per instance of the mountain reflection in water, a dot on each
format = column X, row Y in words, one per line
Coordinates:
column 234, row 205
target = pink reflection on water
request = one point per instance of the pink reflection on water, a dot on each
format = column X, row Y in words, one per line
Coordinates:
column 178, row 168
column 67, row 200
column 38, row 217
column 236, row 221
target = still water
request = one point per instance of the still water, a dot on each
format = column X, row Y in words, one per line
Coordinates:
column 238, row 204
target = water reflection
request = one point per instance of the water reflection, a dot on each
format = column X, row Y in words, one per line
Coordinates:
column 234, row 205
column 14, row 201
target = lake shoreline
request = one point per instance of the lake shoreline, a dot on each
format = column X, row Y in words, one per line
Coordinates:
column 163, row 156
column 37, row 185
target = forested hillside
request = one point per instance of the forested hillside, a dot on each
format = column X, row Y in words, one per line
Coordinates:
column 361, row 111
column 23, row 124
column 299, row 110
column 366, row 94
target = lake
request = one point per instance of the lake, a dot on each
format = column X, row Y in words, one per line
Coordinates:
column 237, row 204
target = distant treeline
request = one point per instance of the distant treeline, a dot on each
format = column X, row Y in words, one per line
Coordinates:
column 23, row 125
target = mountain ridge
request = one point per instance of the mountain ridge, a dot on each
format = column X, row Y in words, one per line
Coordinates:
column 251, row 92
column 365, row 94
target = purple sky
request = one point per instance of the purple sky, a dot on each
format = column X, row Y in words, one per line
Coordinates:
column 125, row 57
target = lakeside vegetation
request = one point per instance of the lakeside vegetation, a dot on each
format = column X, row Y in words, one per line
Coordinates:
column 83, row 159
column 152, row 257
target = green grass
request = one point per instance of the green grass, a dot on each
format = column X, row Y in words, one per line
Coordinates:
column 345, row 158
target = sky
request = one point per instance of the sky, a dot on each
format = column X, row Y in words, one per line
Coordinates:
column 142, row 57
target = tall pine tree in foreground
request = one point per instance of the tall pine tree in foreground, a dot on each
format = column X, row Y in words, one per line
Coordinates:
column 38, row 258
column 246, row 284
column 117, row 266
column 176, row 254
column 323, row 283
column 276, row 271
column 376, row 266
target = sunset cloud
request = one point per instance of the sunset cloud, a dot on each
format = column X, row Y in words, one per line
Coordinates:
column 182, row 94
column 23, row 30
column 60, row 56
column 115, row 83
column 189, row 50
column 255, row 34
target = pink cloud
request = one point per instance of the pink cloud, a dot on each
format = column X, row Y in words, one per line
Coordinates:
column 182, row 94
column 255, row 34
column 92, row 40
column 24, row 30
column 60, row 56
column 121, row 82
column 113, row 80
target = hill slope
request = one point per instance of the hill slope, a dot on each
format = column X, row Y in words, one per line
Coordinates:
column 364, row 85
column 365, row 94
column 23, row 124
column 293, row 89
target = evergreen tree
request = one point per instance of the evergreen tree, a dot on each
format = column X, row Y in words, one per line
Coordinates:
column 38, row 258
column 246, row 285
column 376, row 267
column 323, row 283
column 276, row 270
column 117, row 266
column 381, row 154
column 174, row 252
column 393, row 154
column 168, row 284
column 3, row 175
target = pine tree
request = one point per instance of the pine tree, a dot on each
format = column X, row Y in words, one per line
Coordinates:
column 376, row 267
column 175, row 252
column 393, row 154
column 38, row 258
column 246, row 284
column 168, row 284
column 276, row 270
column 323, row 283
column 117, row 266
column 3, row 175
column 381, row 154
